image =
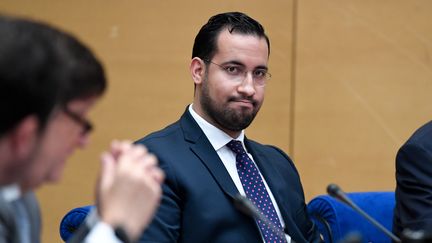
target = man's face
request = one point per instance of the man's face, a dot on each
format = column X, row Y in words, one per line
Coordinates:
column 65, row 131
column 229, row 104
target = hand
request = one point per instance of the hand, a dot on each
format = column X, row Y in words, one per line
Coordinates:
column 129, row 187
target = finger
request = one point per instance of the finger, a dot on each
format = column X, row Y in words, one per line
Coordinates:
column 158, row 175
column 149, row 161
column 138, row 152
column 115, row 149
column 118, row 147
column 107, row 170
column 133, row 159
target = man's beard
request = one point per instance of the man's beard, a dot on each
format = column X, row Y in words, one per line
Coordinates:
column 227, row 118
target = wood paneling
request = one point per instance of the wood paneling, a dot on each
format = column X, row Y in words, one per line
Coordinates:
column 361, row 83
column 363, row 86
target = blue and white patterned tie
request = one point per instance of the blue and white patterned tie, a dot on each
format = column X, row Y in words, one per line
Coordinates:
column 256, row 191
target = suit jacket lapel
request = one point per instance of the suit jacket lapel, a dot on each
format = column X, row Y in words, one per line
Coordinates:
column 32, row 208
column 8, row 229
column 202, row 148
column 275, row 181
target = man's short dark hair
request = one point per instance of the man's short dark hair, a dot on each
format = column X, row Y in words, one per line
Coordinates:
column 205, row 45
column 42, row 67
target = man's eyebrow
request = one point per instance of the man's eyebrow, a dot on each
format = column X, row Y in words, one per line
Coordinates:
column 262, row 67
column 233, row 62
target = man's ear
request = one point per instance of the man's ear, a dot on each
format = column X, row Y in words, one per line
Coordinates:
column 24, row 136
column 197, row 69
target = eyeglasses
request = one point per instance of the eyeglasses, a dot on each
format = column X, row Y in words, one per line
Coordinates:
column 238, row 73
column 86, row 125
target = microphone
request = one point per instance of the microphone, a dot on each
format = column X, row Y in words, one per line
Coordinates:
column 247, row 207
column 336, row 192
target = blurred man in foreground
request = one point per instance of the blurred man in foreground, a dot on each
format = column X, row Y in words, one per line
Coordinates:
column 49, row 81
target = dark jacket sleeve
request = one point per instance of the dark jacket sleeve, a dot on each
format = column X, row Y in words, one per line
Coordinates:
column 414, row 187
column 165, row 226
column 308, row 229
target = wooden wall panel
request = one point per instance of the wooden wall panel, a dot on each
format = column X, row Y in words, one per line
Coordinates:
column 363, row 86
column 146, row 48
column 362, row 82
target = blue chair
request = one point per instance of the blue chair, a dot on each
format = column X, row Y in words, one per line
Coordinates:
column 72, row 220
column 335, row 220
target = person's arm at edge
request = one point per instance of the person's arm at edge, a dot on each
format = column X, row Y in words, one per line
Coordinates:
column 414, row 186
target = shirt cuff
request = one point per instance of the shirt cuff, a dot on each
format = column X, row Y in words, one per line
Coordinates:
column 102, row 232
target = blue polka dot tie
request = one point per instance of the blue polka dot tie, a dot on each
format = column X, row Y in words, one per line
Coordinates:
column 255, row 190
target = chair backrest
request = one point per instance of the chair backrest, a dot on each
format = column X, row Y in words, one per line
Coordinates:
column 72, row 220
column 335, row 220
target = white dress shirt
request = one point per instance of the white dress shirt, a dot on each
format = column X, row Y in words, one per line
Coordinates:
column 102, row 232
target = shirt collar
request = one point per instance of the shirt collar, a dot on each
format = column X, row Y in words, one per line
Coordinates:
column 217, row 137
column 10, row 192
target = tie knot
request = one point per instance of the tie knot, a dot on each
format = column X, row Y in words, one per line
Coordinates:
column 236, row 146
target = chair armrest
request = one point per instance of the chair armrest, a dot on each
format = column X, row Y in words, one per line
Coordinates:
column 72, row 220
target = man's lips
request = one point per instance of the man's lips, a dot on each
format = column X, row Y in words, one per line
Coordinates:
column 244, row 102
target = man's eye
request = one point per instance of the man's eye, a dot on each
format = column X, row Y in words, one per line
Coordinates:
column 260, row 73
column 232, row 69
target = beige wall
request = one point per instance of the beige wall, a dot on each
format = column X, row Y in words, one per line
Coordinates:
column 360, row 84
column 364, row 83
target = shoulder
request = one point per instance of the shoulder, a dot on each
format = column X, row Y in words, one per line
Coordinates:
column 415, row 155
column 422, row 135
column 269, row 150
column 272, row 154
column 420, row 143
column 162, row 135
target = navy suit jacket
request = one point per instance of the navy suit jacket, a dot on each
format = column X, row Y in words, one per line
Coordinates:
column 413, row 208
column 197, row 203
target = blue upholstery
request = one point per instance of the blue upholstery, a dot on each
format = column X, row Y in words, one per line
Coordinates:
column 324, row 209
column 343, row 220
column 72, row 220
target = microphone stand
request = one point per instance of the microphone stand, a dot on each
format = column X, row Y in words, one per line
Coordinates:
column 336, row 192
column 247, row 207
